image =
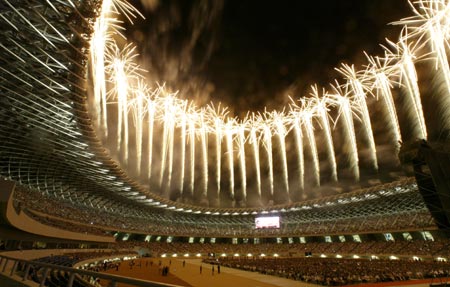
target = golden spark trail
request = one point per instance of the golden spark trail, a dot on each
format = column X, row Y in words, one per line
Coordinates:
column 383, row 88
column 438, row 45
column 281, row 133
column 191, row 125
column 229, row 138
column 138, row 122
column 435, row 25
column 167, row 123
column 382, row 84
column 98, row 65
column 345, row 111
column 183, row 121
column 104, row 46
column 321, row 110
column 121, row 83
column 409, row 80
column 98, row 43
column 241, row 143
column 268, row 146
column 170, row 149
column 360, row 99
column 216, row 118
column 307, row 123
column 151, row 119
column 218, row 131
column 255, row 145
column 303, row 116
column 124, row 8
column 204, row 142
column 438, row 25
column 300, row 159
column 122, row 69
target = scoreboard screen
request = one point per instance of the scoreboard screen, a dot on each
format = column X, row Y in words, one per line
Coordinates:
column 267, row 222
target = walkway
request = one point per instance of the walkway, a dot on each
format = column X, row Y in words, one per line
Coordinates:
column 189, row 275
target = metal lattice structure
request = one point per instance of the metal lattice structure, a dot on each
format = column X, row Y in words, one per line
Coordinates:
column 47, row 141
column 48, row 145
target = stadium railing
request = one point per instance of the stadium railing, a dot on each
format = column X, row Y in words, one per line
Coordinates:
column 20, row 269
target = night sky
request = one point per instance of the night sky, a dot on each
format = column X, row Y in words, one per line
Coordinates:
column 252, row 54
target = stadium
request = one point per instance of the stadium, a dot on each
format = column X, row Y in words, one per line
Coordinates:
column 346, row 184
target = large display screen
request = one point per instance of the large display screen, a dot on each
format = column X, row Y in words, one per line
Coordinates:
column 267, row 222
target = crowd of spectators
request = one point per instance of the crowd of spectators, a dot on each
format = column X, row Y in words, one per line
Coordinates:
column 423, row 248
column 26, row 200
column 290, row 260
column 336, row 272
column 373, row 223
column 79, row 218
column 67, row 225
column 182, row 225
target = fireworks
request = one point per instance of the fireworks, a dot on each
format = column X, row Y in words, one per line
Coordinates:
column 174, row 129
column 359, row 100
column 321, row 110
column 346, row 112
column 254, row 141
column 305, row 114
column 382, row 86
column 229, row 131
column 217, row 115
